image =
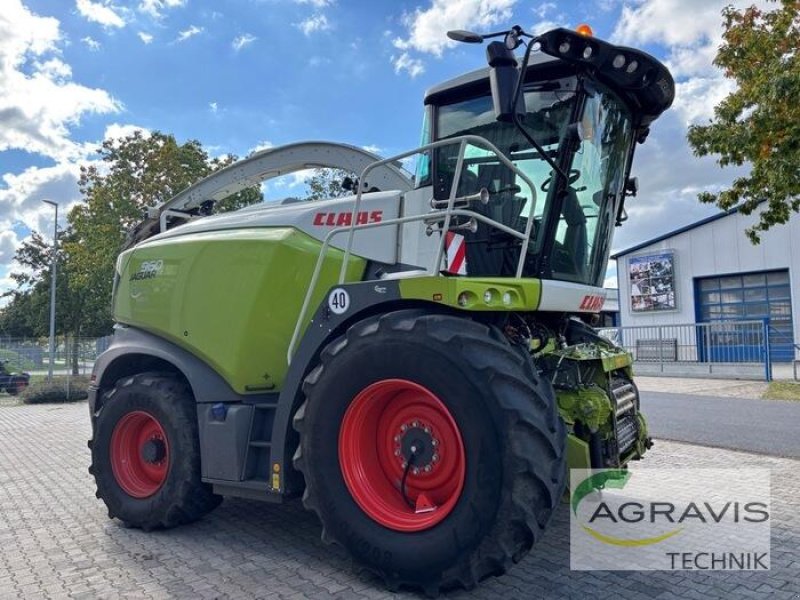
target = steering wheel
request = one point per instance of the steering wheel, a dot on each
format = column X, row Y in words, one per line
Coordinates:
column 574, row 175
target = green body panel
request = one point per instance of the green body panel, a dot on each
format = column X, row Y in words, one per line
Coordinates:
column 577, row 453
column 509, row 294
column 232, row 298
column 614, row 360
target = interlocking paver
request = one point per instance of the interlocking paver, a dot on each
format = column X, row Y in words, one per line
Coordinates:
column 57, row 542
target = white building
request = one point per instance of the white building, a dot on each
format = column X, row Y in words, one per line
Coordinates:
column 709, row 272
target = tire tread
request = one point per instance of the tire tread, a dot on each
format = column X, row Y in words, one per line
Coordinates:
column 526, row 510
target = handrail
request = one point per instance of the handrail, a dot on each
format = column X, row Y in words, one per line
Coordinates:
column 447, row 214
column 397, row 221
column 462, row 140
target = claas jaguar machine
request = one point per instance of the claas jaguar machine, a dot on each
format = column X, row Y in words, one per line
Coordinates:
column 415, row 359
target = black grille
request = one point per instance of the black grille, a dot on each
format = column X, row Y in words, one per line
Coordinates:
column 626, row 399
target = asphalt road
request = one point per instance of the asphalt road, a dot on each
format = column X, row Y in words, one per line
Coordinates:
column 763, row 426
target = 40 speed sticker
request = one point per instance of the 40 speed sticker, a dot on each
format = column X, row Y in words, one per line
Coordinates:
column 339, row 301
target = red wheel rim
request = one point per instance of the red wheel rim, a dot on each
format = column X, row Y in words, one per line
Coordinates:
column 381, row 425
column 139, row 454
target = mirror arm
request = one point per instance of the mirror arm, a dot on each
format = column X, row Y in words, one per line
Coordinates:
column 516, row 118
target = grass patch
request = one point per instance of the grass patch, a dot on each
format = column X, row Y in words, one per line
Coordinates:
column 783, row 390
column 56, row 390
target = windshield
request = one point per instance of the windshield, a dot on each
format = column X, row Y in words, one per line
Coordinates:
column 580, row 235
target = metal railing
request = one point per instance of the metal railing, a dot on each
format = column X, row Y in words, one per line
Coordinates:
column 445, row 216
column 722, row 348
column 72, row 357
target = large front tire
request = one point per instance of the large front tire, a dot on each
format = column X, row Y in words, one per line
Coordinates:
column 146, row 454
column 408, row 379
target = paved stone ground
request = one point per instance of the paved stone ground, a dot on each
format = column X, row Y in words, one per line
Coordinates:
column 56, row 541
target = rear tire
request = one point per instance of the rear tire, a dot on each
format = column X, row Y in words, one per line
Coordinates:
column 506, row 428
column 146, row 454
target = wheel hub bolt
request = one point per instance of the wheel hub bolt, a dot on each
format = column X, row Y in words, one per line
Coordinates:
column 427, row 468
column 415, row 424
column 403, row 427
column 154, row 451
column 415, row 470
column 435, row 458
column 434, row 442
column 397, row 452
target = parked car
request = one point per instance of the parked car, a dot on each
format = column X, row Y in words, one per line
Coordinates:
column 12, row 383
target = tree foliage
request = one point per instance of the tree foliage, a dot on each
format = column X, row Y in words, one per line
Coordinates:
column 327, row 183
column 132, row 174
column 759, row 123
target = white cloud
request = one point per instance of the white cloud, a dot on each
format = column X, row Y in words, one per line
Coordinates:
column 263, row 145
column 696, row 97
column 427, row 29
column 8, row 246
column 314, row 23
column 243, row 40
column 546, row 25
column 213, row 106
column 22, row 194
column 373, row 148
column 100, row 12
column 404, row 62
column 544, row 9
column 670, row 175
column 38, row 106
column 691, row 30
column 192, row 31
column 318, row 61
column 116, row 131
column 54, row 69
column 156, row 8
column 316, row 3
column 145, row 37
column 91, row 43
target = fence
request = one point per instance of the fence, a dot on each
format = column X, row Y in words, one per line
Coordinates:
column 73, row 356
column 725, row 349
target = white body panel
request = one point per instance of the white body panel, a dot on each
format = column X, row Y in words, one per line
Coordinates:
column 562, row 296
column 416, row 247
column 316, row 219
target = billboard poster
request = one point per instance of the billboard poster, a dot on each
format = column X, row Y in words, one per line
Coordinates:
column 652, row 279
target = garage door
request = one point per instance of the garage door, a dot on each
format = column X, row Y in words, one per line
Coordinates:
column 748, row 297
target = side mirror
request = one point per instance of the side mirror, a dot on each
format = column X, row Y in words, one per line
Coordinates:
column 632, row 186
column 503, row 77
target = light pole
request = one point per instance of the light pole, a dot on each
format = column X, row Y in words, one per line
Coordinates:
column 53, row 291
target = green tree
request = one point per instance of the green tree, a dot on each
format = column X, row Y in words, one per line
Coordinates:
column 137, row 173
column 28, row 312
column 134, row 173
column 327, row 183
column 759, row 123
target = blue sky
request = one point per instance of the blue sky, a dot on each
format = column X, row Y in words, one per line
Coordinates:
column 243, row 74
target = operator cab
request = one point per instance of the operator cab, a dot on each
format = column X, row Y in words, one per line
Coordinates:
column 585, row 109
